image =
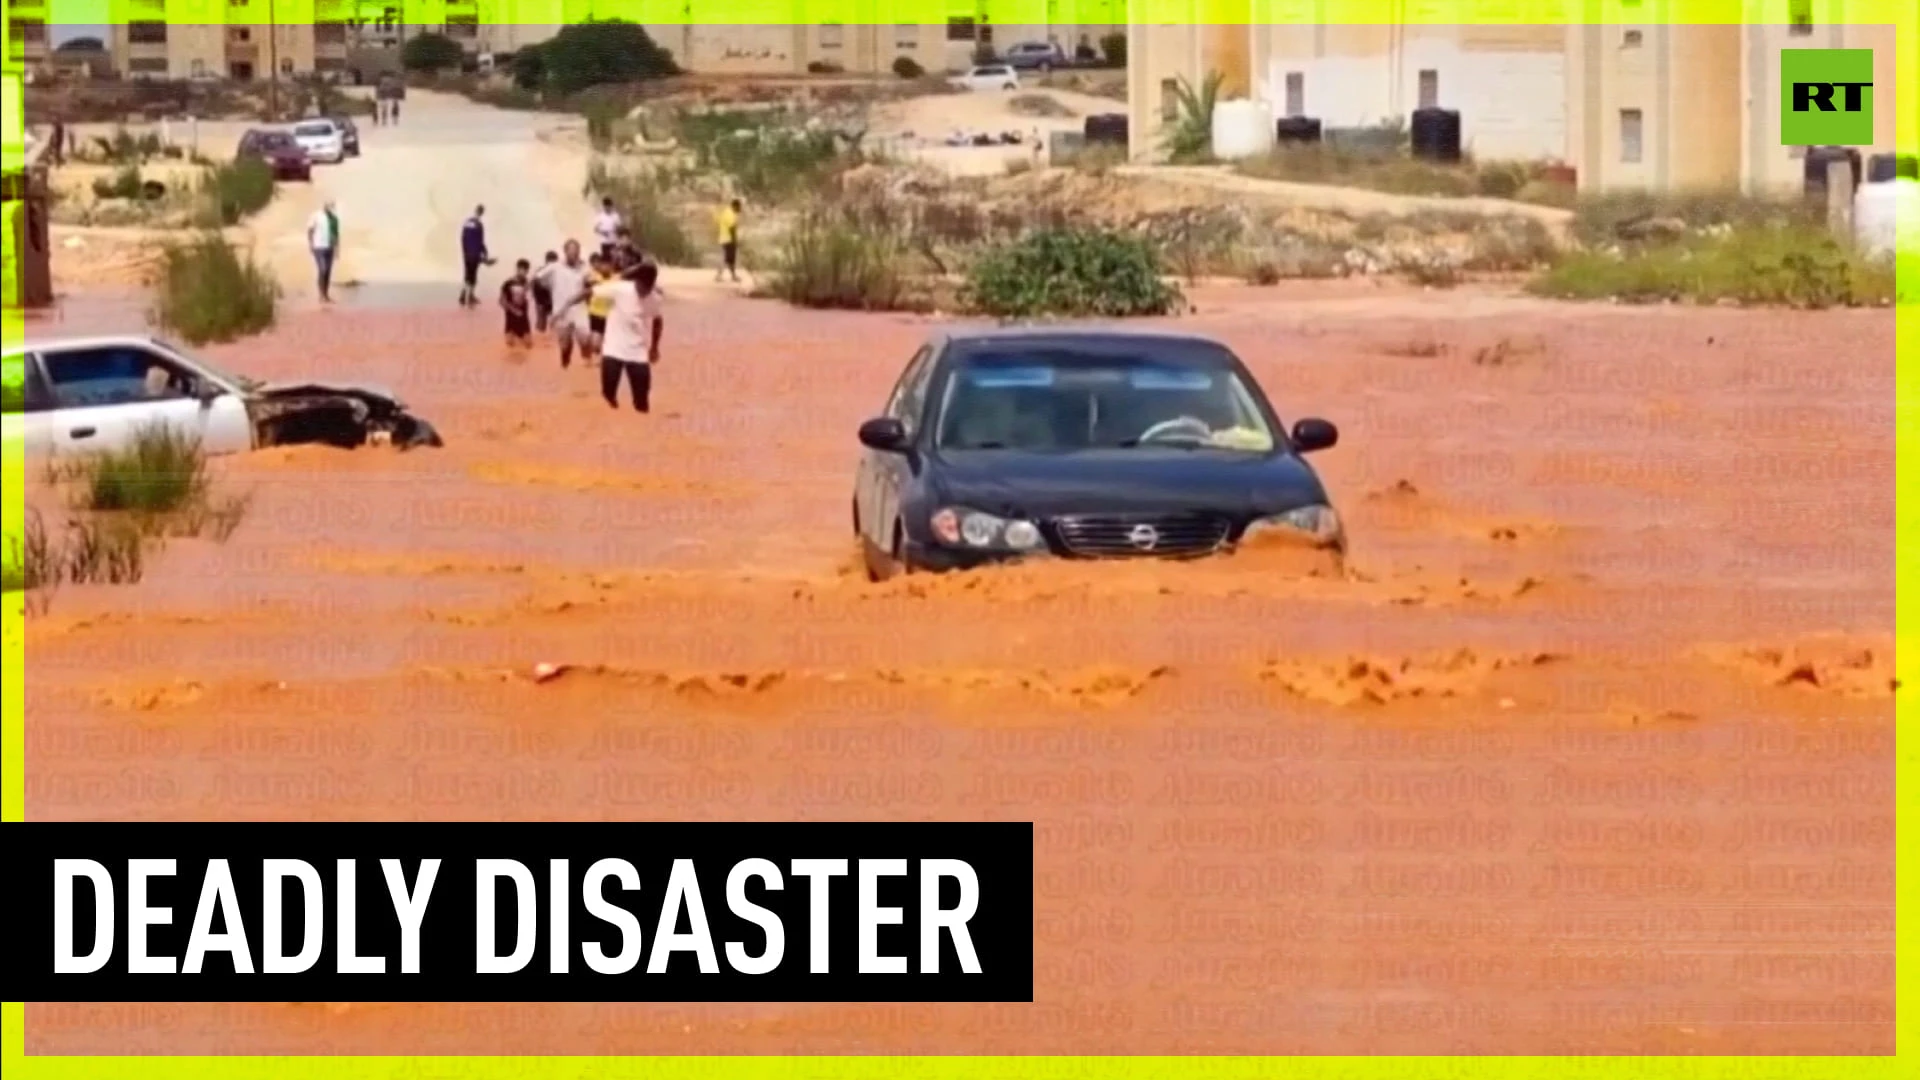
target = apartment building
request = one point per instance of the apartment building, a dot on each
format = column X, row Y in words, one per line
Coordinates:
column 166, row 39
column 27, row 43
column 1699, row 106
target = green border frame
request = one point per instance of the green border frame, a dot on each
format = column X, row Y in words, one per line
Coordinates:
column 1900, row 13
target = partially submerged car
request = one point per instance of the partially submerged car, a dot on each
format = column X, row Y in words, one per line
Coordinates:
column 89, row 395
column 1009, row 444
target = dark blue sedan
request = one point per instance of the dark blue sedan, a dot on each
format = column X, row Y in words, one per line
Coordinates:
column 1087, row 444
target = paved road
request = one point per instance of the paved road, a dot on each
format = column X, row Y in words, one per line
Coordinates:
column 402, row 201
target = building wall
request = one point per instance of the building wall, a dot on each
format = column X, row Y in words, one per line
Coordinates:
column 1508, row 83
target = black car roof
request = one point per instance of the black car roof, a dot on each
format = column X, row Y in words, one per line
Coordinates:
column 1067, row 335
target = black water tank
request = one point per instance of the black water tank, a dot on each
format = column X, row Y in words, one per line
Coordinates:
column 1882, row 168
column 1819, row 157
column 1106, row 128
column 1436, row 134
column 1296, row 130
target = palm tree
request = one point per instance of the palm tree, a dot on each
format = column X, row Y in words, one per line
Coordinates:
column 1190, row 137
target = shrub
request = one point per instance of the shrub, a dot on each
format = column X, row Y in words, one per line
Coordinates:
column 530, row 68
column 1190, row 137
column 1113, row 47
column 766, row 159
column 238, row 189
column 906, row 67
column 1387, row 171
column 125, row 183
column 209, row 292
column 1074, row 272
column 1763, row 265
column 831, row 259
column 162, row 472
column 427, row 53
column 1612, row 216
column 655, row 228
column 599, row 52
column 1501, row 179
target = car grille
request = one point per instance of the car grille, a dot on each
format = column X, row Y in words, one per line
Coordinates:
column 1123, row 536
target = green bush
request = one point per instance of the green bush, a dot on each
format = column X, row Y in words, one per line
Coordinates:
column 125, row 183
column 209, row 292
column 906, row 67
column 1073, row 272
column 426, row 53
column 1501, row 179
column 1612, row 216
column 1190, row 137
column 649, row 216
column 596, row 53
column 163, row 472
column 832, row 259
column 1775, row 265
column 767, row 158
column 238, row 189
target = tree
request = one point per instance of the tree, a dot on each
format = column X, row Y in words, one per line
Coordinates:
column 530, row 68
column 432, row 52
column 1190, row 137
column 600, row 52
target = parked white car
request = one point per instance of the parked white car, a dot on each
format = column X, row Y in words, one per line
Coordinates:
column 322, row 140
column 988, row 77
column 93, row 395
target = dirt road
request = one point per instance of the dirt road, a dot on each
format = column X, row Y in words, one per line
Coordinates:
column 1594, row 754
column 401, row 240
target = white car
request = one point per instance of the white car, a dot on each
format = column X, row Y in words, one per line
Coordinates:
column 988, row 77
column 93, row 395
column 322, row 140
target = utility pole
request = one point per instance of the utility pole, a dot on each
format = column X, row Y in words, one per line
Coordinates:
column 273, row 61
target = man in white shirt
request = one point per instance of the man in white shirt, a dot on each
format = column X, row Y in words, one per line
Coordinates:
column 566, row 280
column 323, row 239
column 632, row 344
column 606, row 226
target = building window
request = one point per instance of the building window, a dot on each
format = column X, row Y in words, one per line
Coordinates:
column 147, row 65
column 465, row 28
column 1296, row 93
column 1170, row 100
column 960, row 28
column 1631, row 124
column 286, row 65
column 832, row 35
column 1800, row 18
column 147, row 33
column 1429, row 88
column 199, row 69
column 1631, row 39
column 239, row 35
column 906, row 36
column 329, row 33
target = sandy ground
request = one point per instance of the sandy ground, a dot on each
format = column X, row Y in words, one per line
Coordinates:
column 1592, row 753
column 906, row 126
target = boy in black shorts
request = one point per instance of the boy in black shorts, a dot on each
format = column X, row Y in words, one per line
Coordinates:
column 515, row 295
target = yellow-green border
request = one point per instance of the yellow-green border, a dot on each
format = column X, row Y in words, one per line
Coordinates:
column 17, row 1066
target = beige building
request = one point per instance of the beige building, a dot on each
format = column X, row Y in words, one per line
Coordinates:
column 1699, row 106
column 145, row 43
column 27, row 42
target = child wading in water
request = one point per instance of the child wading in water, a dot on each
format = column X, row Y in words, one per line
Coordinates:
column 515, row 295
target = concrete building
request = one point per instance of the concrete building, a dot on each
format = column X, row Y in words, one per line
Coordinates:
column 27, row 43
column 1509, row 83
column 1699, row 106
column 150, row 40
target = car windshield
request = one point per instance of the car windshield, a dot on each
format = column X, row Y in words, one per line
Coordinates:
column 1064, row 400
column 311, row 130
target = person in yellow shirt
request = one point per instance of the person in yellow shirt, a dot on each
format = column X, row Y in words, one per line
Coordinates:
column 728, row 221
column 600, row 271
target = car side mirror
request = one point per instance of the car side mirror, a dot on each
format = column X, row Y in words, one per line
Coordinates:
column 885, row 434
column 1313, row 434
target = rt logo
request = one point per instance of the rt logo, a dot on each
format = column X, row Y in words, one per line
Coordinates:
column 1826, row 97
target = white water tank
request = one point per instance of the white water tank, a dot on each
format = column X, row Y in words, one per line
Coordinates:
column 1886, row 216
column 1242, row 129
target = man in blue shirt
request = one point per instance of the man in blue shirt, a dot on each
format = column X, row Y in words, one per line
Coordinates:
column 473, row 255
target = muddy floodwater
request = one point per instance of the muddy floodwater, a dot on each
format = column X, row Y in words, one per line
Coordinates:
column 1589, row 749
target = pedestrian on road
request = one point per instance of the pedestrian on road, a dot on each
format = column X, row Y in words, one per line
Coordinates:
column 323, row 239
column 473, row 256
column 606, row 226
column 543, row 293
column 634, row 326
column 567, row 282
column 514, row 301
column 728, row 220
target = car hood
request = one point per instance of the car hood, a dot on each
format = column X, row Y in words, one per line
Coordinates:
column 1018, row 484
column 343, row 389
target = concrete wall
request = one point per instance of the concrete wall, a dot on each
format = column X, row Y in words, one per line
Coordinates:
column 1508, row 83
column 1684, row 83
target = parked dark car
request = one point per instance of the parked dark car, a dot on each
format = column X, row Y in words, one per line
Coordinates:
column 279, row 151
column 349, row 134
column 1035, row 56
column 1088, row 444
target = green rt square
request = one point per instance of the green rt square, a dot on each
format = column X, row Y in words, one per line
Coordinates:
column 1826, row 97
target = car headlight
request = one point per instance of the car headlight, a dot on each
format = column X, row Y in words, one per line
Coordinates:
column 960, row 527
column 1321, row 523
